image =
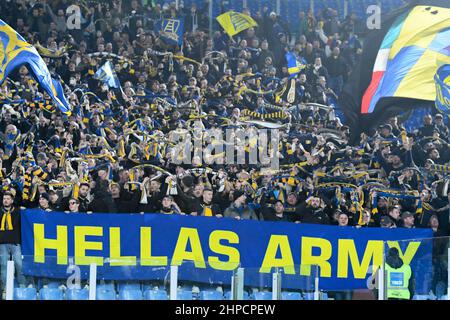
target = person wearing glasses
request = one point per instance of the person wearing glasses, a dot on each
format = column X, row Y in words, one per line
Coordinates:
column 74, row 206
column 83, row 198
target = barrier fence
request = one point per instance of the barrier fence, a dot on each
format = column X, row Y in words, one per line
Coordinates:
column 238, row 259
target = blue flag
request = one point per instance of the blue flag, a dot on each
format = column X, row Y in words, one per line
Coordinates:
column 442, row 79
column 108, row 75
column 294, row 66
column 170, row 30
column 15, row 52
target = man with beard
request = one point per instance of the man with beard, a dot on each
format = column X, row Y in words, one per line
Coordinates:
column 154, row 193
column 428, row 127
column 238, row 208
column 424, row 214
column 124, row 202
column 277, row 213
column 291, row 207
column 311, row 211
column 83, row 198
column 10, row 237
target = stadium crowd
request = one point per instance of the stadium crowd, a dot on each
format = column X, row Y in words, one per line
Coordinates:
column 113, row 154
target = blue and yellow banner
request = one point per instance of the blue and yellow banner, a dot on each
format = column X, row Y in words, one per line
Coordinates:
column 15, row 52
column 413, row 48
column 294, row 66
column 107, row 74
column 170, row 30
column 235, row 22
column 143, row 246
column 442, row 80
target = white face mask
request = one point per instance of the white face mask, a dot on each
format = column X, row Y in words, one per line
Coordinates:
column 72, row 82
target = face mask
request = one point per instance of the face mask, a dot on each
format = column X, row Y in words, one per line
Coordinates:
column 72, row 82
column 11, row 136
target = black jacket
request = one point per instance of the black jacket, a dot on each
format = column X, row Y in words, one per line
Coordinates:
column 12, row 236
column 200, row 208
column 313, row 216
column 127, row 203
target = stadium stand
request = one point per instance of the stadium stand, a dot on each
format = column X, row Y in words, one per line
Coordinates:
column 131, row 92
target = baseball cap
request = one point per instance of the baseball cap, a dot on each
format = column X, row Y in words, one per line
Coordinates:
column 237, row 194
column 385, row 221
column 407, row 214
column 45, row 195
column 395, row 152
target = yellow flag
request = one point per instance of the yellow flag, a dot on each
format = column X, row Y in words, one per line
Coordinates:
column 234, row 22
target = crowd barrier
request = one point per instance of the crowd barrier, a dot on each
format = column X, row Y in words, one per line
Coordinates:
column 167, row 252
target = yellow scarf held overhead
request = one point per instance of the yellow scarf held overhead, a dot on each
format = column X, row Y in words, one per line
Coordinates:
column 76, row 190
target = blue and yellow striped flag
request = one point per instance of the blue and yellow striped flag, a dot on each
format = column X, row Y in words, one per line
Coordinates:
column 442, row 79
column 294, row 66
column 235, row 22
column 108, row 75
column 415, row 45
column 15, row 52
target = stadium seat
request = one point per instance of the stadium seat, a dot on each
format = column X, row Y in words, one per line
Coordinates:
column 53, row 285
column 211, row 295
column 77, row 294
column 104, row 294
column 51, row 294
column 308, row 296
column 155, row 295
column 24, row 294
column 106, row 286
column 184, row 295
column 149, row 286
column 41, row 283
column 263, row 295
column 441, row 288
column 291, row 296
column 128, row 286
column 130, row 294
column 227, row 295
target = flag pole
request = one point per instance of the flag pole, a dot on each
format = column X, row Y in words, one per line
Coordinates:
column 210, row 17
